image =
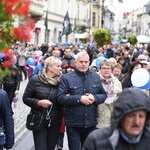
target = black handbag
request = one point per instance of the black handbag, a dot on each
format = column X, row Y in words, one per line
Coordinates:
column 35, row 121
column 2, row 136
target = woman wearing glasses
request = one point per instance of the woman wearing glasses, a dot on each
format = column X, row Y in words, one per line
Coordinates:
column 113, row 88
column 41, row 95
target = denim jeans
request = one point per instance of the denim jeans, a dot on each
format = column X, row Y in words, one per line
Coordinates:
column 76, row 136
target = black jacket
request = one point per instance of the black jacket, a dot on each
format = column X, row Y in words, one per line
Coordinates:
column 6, row 119
column 37, row 90
column 72, row 86
column 109, row 138
column 11, row 81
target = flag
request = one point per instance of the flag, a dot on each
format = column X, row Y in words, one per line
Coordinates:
column 46, row 21
column 66, row 25
column 74, row 29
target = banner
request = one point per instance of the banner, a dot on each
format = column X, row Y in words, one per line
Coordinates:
column 66, row 25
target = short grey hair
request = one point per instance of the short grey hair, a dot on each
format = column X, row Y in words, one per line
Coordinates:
column 83, row 53
column 106, row 62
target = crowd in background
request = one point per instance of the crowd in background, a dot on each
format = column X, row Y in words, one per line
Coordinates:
column 113, row 63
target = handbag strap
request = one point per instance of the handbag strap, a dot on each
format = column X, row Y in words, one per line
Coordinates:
column 50, row 93
column 49, row 110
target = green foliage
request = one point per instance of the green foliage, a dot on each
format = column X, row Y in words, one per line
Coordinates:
column 102, row 36
column 132, row 39
column 83, row 40
column 4, row 72
column 7, row 35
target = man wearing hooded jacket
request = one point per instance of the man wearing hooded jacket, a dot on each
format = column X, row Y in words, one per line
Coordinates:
column 129, row 129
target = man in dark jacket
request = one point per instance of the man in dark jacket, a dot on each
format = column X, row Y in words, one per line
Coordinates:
column 6, row 121
column 80, row 91
column 129, row 125
column 67, row 61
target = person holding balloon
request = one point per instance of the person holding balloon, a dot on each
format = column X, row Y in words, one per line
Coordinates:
column 126, row 82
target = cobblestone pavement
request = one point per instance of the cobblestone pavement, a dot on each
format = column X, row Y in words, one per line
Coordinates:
column 20, row 113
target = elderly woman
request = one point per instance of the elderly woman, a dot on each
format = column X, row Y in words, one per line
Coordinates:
column 41, row 95
column 113, row 88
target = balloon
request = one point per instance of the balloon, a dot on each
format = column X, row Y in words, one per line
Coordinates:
column 140, row 77
column 57, row 43
column 146, row 86
column 31, row 62
column 140, row 51
column 1, row 55
column 98, row 61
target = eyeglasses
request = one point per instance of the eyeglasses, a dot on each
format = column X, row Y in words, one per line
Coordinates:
column 106, row 68
column 142, row 59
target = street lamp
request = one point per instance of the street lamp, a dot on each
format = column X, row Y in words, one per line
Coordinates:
column 108, row 8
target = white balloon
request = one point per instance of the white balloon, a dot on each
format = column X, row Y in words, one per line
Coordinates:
column 140, row 77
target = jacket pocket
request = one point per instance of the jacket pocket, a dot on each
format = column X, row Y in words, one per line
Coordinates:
column 95, row 88
column 75, row 89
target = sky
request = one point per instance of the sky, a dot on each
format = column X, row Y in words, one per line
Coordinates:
column 129, row 5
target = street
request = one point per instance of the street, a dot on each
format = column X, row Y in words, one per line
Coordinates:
column 23, row 137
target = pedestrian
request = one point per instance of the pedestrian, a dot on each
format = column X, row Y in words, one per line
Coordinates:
column 67, row 66
column 11, row 83
column 129, row 127
column 6, row 122
column 67, row 61
column 80, row 91
column 126, row 81
column 41, row 96
column 113, row 88
column 22, row 57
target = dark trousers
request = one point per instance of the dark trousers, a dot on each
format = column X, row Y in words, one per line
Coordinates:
column 46, row 138
column 1, row 147
column 22, row 69
column 60, row 139
column 76, row 136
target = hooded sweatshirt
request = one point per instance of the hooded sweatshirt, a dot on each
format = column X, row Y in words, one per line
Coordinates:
column 109, row 138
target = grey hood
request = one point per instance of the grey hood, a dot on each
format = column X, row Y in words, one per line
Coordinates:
column 131, row 99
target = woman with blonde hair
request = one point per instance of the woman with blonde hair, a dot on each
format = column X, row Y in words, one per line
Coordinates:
column 41, row 96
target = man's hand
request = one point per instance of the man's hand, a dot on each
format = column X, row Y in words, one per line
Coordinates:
column 86, row 100
column 91, row 98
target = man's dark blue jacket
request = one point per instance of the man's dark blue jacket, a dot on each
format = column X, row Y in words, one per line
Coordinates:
column 72, row 86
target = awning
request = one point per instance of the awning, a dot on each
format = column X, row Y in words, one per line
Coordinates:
column 81, row 36
column 143, row 39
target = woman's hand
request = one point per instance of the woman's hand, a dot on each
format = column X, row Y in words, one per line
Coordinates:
column 45, row 103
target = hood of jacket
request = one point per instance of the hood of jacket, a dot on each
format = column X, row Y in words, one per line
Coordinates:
column 130, row 100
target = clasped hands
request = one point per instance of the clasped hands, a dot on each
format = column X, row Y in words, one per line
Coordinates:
column 87, row 99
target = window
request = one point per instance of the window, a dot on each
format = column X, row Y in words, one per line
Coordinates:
column 93, row 18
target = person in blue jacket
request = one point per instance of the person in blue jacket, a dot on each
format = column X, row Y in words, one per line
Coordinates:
column 6, row 120
column 80, row 91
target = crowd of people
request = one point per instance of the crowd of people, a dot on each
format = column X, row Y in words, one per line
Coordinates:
column 78, row 89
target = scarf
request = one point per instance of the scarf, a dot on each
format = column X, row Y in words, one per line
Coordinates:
column 109, row 89
column 48, row 80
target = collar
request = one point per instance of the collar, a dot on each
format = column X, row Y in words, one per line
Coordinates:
column 81, row 74
column 133, row 140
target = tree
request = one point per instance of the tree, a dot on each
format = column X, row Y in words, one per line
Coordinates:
column 132, row 39
column 102, row 36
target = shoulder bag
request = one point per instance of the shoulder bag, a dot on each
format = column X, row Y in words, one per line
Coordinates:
column 35, row 120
